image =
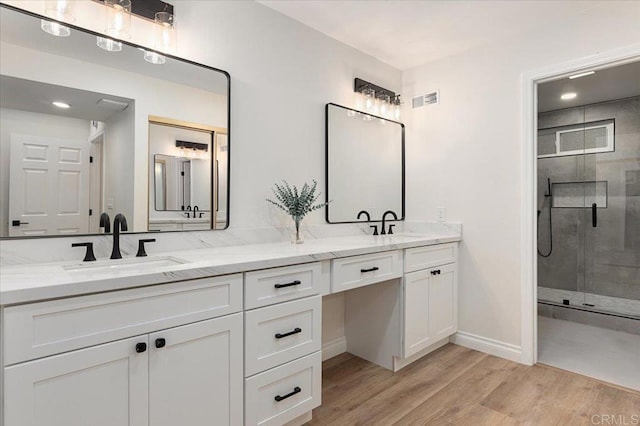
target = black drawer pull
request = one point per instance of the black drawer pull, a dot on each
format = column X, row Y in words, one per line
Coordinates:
column 160, row 342
column 436, row 272
column 375, row 268
column 141, row 347
column 295, row 391
column 296, row 282
column 295, row 331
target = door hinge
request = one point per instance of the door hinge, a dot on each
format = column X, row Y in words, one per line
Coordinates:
column 90, row 212
column 181, row 173
column 91, row 158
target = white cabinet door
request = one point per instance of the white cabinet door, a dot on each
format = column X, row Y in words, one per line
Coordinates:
column 195, row 374
column 104, row 385
column 416, row 312
column 443, row 302
column 430, row 307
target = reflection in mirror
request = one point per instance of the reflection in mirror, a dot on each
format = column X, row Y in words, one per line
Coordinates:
column 182, row 161
column 365, row 165
column 75, row 134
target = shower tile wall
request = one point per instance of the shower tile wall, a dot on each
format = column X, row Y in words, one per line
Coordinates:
column 603, row 260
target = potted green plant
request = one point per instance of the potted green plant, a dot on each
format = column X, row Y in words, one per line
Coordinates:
column 296, row 203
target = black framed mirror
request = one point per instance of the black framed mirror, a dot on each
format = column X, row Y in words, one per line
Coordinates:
column 77, row 135
column 365, row 165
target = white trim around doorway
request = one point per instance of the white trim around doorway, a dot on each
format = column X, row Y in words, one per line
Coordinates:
column 530, row 80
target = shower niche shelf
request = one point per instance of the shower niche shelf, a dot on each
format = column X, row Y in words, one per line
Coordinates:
column 579, row 194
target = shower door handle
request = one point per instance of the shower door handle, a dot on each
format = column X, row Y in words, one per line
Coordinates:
column 594, row 215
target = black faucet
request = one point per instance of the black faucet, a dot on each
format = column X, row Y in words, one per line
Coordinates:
column 188, row 210
column 384, row 218
column 119, row 224
column 195, row 211
column 105, row 222
column 375, row 227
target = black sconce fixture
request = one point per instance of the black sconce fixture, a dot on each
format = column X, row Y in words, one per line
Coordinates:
column 377, row 100
column 192, row 145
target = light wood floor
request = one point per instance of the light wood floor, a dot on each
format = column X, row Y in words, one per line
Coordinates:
column 460, row 386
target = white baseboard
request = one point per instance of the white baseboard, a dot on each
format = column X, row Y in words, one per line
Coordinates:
column 334, row 347
column 489, row 346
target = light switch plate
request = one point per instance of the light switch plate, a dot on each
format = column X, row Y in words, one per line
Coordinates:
column 442, row 214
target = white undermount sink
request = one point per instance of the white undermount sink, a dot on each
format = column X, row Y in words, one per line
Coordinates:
column 130, row 265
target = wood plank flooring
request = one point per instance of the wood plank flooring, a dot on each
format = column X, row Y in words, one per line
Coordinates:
column 460, row 386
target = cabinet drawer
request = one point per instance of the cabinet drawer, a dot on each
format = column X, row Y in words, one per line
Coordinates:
column 41, row 329
column 357, row 271
column 297, row 384
column 426, row 257
column 276, row 285
column 278, row 334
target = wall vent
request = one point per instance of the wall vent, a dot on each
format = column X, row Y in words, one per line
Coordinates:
column 431, row 98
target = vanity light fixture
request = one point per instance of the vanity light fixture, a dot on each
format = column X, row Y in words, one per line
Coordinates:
column 165, row 32
column 568, row 96
column 154, row 57
column 60, row 10
column 61, row 104
column 108, row 44
column 582, row 74
column 193, row 149
column 376, row 100
column 118, row 18
column 54, row 28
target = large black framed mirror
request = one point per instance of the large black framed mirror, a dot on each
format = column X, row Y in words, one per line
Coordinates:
column 79, row 133
column 365, row 165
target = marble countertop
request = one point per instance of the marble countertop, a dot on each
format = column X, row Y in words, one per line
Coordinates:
column 42, row 281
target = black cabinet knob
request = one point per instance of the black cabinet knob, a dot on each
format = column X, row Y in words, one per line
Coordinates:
column 141, row 347
column 160, row 343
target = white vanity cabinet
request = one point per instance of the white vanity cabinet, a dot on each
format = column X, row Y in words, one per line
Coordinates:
column 430, row 296
column 187, row 374
column 283, row 338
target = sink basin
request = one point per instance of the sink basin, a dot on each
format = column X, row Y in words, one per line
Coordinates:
column 130, row 265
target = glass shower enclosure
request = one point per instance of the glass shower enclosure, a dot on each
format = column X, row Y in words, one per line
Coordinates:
column 589, row 207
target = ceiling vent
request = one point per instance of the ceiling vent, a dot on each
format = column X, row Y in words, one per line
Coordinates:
column 432, row 98
column 112, row 104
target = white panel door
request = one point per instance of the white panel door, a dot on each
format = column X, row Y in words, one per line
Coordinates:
column 443, row 302
column 195, row 374
column 104, row 385
column 49, row 191
column 416, row 312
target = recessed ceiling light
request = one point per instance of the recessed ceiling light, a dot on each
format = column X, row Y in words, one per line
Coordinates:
column 568, row 96
column 582, row 74
column 61, row 104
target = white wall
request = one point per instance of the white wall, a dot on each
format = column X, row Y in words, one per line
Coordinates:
column 466, row 153
column 119, row 150
column 31, row 123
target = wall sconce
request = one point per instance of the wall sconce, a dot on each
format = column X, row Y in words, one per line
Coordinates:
column 60, row 10
column 376, row 100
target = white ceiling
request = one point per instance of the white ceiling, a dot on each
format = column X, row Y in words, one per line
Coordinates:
column 607, row 84
column 33, row 96
column 406, row 34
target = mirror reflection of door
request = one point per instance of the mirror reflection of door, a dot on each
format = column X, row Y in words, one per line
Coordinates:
column 160, row 183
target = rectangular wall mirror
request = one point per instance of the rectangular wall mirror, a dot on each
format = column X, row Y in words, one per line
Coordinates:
column 365, row 165
column 86, row 131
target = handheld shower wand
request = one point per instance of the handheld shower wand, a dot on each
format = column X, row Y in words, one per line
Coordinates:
column 549, row 195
